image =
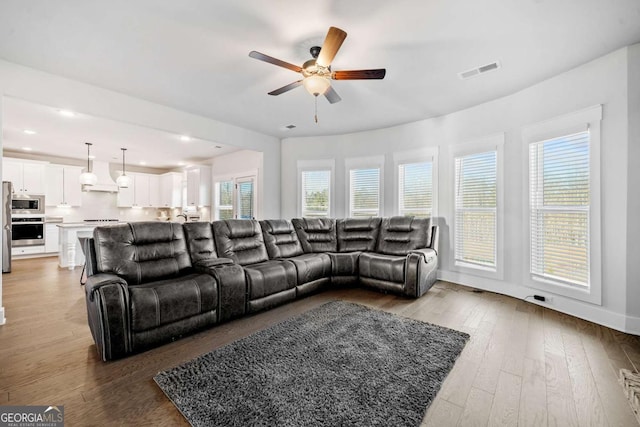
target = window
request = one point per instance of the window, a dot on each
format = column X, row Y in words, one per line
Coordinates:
column 563, row 205
column 235, row 198
column 415, row 189
column 364, row 190
column 316, row 187
column 246, row 198
column 559, row 209
column 224, row 199
column 476, row 209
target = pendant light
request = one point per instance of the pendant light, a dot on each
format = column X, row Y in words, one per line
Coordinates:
column 88, row 178
column 123, row 180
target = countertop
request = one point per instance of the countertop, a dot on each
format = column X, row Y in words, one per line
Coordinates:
column 86, row 224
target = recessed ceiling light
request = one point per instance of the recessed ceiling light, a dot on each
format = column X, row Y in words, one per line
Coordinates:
column 181, row 163
column 27, row 148
column 185, row 138
column 67, row 113
column 29, row 132
column 143, row 163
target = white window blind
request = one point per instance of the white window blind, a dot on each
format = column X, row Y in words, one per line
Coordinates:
column 316, row 193
column 364, row 192
column 476, row 209
column 224, row 202
column 560, row 203
column 415, row 189
column 245, row 198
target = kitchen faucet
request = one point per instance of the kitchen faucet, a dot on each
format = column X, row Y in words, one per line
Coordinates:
column 184, row 216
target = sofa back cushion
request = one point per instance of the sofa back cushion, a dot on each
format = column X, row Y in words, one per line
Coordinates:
column 142, row 252
column 280, row 238
column 240, row 240
column 316, row 234
column 358, row 234
column 200, row 241
column 400, row 234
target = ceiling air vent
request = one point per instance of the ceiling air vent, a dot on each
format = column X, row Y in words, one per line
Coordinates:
column 290, row 127
column 479, row 70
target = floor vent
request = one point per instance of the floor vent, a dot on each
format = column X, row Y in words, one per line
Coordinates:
column 479, row 70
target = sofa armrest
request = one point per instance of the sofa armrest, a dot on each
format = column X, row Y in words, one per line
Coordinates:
column 232, row 286
column 420, row 271
column 428, row 254
column 107, row 300
column 213, row 262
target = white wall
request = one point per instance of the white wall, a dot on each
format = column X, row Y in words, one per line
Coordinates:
column 603, row 81
column 633, row 191
column 238, row 164
column 48, row 89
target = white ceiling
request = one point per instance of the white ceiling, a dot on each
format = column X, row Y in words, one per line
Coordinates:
column 193, row 54
column 60, row 136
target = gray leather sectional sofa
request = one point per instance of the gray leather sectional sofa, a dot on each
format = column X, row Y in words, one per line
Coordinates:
column 153, row 282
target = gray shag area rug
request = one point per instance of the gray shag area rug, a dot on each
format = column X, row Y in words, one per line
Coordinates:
column 338, row 364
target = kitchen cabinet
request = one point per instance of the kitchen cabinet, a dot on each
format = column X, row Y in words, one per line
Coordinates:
column 144, row 192
column 171, row 190
column 63, row 185
column 52, row 238
column 27, row 177
column 198, row 186
column 154, row 191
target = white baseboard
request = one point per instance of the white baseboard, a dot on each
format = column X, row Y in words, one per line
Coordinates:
column 3, row 320
column 592, row 313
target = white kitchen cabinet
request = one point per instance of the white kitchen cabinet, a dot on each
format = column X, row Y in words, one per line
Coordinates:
column 63, row 185
column 52, row 238
column 154, row 191
column 126, row 196
column 141, row 191
column 144, row 191
column 171, row 190
column 27, row 177
column 198, row 186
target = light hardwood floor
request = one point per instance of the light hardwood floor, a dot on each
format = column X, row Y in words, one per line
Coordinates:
column 524, row 365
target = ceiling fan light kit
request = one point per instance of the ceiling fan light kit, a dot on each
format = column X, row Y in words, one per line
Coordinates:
column 317, row 73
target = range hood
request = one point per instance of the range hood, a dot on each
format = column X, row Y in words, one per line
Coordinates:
column 105, row 182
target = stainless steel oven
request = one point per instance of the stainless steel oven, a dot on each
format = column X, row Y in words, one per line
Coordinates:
column 27, row 230
column 27, row 205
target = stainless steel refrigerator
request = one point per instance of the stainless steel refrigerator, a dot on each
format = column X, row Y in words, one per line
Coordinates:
column 6, row 226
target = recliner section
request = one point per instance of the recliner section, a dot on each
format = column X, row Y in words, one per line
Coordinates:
column 154, row 282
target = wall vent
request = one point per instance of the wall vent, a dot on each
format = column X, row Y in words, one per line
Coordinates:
column 479, row 70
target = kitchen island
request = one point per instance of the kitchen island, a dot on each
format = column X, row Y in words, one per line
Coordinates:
column 71, row 254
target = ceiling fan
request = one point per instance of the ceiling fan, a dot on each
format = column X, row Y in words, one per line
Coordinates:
column 317, row 72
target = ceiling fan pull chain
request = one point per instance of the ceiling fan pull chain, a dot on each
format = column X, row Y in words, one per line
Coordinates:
column 316, row 115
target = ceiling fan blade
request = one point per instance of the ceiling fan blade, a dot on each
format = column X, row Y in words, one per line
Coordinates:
column 330, row 47
column 286, row 88
column 274, row 61
column 332, row 96
column 359, row 74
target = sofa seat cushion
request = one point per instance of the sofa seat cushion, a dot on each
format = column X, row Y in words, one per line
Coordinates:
column 159, row 303
column 382, row 267
column 270, row 277
column 344, row 263
column 311, row 267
